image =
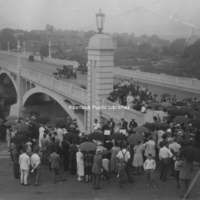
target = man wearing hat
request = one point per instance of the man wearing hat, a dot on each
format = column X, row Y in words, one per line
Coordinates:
column 96, row 169
column 112, row 125
column 133, row 123
column 124, row 124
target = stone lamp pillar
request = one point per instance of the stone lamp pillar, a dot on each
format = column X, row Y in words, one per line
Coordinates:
column 100, row 75
column 8, row 47
column 49, row 49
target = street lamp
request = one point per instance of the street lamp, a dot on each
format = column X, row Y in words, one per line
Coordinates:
column 18, row 49
column 49, row 49
column 8, row 46
column 100, row 21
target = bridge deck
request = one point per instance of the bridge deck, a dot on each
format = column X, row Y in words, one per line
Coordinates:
column 44, row 68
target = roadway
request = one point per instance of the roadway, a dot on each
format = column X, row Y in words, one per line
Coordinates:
column 44, row 68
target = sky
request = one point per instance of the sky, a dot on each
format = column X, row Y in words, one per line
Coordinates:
column 131, row 16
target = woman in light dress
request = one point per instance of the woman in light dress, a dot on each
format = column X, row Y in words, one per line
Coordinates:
column 80, row 165
column 113, row 160
column 117, row 128
column 138, row 158
column 129, row 100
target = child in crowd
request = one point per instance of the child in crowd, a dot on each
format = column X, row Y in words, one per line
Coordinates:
column 149, row 167
column 121, row 172
column 177, row 169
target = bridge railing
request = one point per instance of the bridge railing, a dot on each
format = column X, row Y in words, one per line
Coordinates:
column 117, row 114
column 67, row 89
column 192, row 83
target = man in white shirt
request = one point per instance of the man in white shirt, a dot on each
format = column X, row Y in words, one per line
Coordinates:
column 24, row 163
column 175, row 149
column 35, row 163
column 164, row 155
column 150, row 147
column 125, row 155
column 96, row 125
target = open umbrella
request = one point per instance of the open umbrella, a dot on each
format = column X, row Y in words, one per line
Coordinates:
column 187, row 109
column 122, row 92
column 181, row 120
column 118, row 136
column 180, row 103
column 150, row 126
column 96, row 136
column 165, row 104
column 12, row 117
column 59, row 121
column 42, row 120
column 196, row 114
column 141, row 129
column 174, row 113
column 190, row 153
column 171, row 107
column 196, row 123
column 20, row 139
column 24, row 132
column 165, row 95
column 72, row 136
column 21, row 126
column 114, row 94
column 153, row 105
column 162, row 126
column 135, row 138
column 87, row 146
column 10, row 123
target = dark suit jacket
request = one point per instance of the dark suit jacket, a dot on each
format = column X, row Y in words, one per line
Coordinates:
column 65, row 147
column 125, row 125
column 112, row 126
column 133, row 124
column 97, row 164
column 105, row 127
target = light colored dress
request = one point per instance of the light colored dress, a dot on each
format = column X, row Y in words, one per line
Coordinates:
column 60, row 135
column 114, row 160
column 129, row 101
column 138, row 158
column 41, row 133
column 80, row 163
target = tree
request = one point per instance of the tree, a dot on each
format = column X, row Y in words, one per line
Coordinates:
column 144, row 48
column 177, row 46
column 8, row 36
column 44, row 50
column 194, row 49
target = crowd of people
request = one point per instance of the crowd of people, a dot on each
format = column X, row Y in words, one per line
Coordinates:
column 138, row 97
column 53, row 147
column 59, row 147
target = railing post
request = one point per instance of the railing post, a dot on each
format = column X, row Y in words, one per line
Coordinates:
column 70, row 89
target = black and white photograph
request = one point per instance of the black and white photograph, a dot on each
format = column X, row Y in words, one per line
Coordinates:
column 99, row 99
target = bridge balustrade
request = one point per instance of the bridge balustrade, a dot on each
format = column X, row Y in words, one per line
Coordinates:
column 117, row 114
column 70, row 90
column 159, row 78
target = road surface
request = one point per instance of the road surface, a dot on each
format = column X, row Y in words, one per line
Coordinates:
column 44, row 68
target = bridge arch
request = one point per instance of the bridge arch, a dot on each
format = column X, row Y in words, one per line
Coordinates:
column 2, row 72
column 57, row 97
